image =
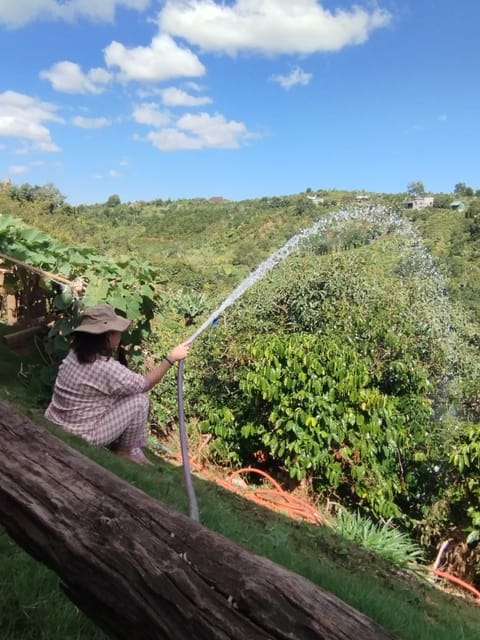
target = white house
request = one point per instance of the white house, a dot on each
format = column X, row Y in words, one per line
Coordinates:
column 418, row 202
column 316, row 199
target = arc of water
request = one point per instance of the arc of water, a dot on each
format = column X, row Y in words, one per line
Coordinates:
column 374, row 215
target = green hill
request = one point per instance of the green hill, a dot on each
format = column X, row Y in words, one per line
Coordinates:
column 350, row 367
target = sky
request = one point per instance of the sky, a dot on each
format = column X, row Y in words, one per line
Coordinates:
column 150, row 99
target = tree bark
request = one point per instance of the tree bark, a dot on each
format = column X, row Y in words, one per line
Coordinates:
column 139, row 569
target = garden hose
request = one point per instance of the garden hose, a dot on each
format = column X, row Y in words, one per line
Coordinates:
column 192, row 499
column 187, row 474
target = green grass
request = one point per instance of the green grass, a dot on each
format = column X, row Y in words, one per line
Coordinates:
column 33, row 606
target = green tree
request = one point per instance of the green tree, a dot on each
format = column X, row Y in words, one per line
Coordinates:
column 461, row 189
column 416, row 188
column 113, row 200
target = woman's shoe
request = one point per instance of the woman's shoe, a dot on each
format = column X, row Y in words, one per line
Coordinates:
column 135, row 455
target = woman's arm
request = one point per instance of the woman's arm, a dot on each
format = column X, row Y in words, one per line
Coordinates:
column 177, row 353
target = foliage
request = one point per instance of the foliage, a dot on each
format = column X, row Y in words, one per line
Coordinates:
column 461, row 189
column 416, row 188
column 442, row 201
column 313, row 408
column 385, row 540
column 411, row 322
column 189, row 304
column 465, row 457
column 127, row 284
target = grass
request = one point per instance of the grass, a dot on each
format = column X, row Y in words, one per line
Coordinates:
column 385, row 540
column 32, row 605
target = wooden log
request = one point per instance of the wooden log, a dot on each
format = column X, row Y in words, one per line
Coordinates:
column 22, row 336
column 141, row 570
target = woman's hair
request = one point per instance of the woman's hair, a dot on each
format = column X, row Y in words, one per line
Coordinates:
column 88, row 346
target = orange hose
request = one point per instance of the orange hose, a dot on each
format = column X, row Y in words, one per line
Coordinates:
column 277, row 499
column 458, row 581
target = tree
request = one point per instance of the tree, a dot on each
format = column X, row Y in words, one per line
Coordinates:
column 50, row 192
column 113, row 200
column 416, row 188
column 461, row 189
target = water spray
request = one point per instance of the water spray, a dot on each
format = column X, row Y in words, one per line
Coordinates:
column 374, row 215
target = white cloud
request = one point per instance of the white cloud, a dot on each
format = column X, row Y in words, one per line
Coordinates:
column 68, row 77
column 18, row 13
column 90, row 123
column 16, row 169
column 269, row 26
column 194, row 86
column 296, row 76
column 113, row 173
column 22, row 117
column 162, row 60
column 200, row 131
column 174, row 97
column 24, row 150
column 149, row 114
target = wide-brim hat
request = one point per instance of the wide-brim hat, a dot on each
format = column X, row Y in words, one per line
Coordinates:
column 101, row 318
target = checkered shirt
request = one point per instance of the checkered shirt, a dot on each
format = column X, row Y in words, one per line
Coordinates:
column 86, row 394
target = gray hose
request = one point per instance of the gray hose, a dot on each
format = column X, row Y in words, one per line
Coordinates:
column 187, row 475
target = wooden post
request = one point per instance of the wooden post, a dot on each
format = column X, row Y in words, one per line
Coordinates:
column 141, row 570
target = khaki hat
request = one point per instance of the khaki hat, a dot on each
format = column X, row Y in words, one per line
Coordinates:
column 102, row 318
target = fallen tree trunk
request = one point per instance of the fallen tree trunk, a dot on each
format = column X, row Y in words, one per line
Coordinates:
column 141, row 570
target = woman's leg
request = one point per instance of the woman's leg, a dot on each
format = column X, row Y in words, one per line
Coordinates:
column 125, row 425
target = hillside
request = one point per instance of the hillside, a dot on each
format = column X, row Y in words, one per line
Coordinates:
column 350, row 368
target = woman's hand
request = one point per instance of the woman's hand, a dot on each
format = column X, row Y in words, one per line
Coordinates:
column 180, row 351
column 177, row 353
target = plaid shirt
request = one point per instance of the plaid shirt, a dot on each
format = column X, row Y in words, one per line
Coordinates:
column 86, row 393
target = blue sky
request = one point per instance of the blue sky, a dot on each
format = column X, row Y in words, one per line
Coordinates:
column 238, row 98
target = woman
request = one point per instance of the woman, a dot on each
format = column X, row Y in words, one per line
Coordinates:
column 99, row 399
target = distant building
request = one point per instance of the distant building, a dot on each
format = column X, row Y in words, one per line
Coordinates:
column 218, row 199
column 316, row 199
column 362, row 197
column 458, row 205
column 418, row 202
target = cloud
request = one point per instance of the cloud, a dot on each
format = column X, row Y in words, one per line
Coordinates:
column 149, row 114
column 194, row 86
column 68, row 77
column 270, row 27
column 22, row 12
column 90, row 123
column 174, row 97
column 22, row 117
column 296, row 76
column 443, row 117
column 162, row 60
column 200, row 131
column 16, row 169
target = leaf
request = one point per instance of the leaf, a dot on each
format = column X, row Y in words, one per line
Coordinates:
column 63, row 300
column 473, row 536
